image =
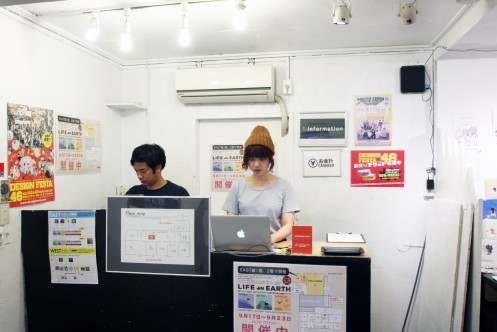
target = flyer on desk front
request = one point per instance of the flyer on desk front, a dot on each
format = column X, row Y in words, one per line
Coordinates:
column 289, row 297
column 72, row 247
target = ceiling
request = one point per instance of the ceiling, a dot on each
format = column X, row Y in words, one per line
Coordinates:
column 273, row 26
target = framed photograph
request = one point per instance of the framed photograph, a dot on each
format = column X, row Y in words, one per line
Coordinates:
column 323, row 129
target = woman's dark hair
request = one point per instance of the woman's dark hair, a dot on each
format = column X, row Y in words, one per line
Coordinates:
column 152, row 154
column 257, row 151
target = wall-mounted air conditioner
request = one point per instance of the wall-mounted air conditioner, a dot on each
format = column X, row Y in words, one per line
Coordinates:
column 240, row 84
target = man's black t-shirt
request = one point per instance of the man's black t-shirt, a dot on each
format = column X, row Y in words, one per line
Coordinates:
column 169, row 189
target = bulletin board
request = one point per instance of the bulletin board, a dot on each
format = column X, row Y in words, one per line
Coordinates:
column 158, row 235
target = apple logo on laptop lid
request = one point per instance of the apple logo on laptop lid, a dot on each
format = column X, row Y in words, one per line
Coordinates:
column 240, row 234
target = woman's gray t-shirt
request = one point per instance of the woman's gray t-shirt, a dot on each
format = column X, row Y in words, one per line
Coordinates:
column 272, row 201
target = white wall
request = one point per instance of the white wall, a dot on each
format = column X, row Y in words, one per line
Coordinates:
column 41, row 71
column 321, row 84
column 38, row 70
column 466, row 87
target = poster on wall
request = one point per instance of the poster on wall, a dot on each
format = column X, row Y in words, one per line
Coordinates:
column 79, row 146
column 226, row 167
column 72, row 247
column 491, row 188
column 377, row 168
column 489, row 236
column 466, row 130
column 323, row 129
column 289, row 297
column 30, row 154
column 373, row 120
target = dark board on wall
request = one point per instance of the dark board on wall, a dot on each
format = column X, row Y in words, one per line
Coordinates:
column 147, row 302
column 194, row 233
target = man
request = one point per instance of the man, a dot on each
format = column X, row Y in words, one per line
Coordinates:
column 149, row 160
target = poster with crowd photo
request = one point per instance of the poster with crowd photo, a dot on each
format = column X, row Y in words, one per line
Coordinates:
column 289, row 297
column 377, row 168
column 79, row 146
column 226, row 166
column 373, row 120
column 30, row 154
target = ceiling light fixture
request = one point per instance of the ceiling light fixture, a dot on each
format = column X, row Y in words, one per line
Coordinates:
column 126, row 41
column 94, row 29
column 240, row 18
column 184, row 37
column 408, row 12
column 342, row 13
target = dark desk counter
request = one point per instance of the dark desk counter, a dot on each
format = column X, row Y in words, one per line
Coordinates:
column 144, row 302
column 488, row 306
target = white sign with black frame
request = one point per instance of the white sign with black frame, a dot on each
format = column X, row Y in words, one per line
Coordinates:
column 323, row 129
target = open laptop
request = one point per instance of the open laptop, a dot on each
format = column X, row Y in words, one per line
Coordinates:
column 241, row 233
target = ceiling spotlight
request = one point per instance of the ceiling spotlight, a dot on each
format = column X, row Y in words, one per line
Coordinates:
column 184, row 37
column 126, row 41
column 341, row 13
column 408, row 12
column 240, row 19
column 94, row 29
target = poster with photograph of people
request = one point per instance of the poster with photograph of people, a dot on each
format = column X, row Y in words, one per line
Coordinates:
column 30, row 154
column 373, row 120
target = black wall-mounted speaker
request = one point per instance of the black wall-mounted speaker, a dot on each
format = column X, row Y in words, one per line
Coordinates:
column 412, row 79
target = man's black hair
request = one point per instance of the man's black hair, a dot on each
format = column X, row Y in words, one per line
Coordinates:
column 152, row 154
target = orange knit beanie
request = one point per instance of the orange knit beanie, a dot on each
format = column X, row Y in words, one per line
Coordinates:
column 260, row 136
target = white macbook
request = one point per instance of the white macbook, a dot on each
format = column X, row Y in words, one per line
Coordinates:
column 241, row 233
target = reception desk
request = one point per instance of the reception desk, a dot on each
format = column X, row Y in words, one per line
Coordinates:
column 144, row 302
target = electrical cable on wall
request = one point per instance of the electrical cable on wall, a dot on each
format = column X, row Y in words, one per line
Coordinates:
column 431, row 170
column 416, row 283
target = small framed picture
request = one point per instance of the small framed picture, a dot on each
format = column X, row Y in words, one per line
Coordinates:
column 323, row 129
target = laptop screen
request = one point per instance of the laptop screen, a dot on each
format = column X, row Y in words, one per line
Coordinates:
column 241, row 233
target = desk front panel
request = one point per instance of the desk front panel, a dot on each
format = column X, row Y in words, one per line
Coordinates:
column 210, row 301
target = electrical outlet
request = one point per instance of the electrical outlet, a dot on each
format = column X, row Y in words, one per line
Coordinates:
column 2, row 237
column 4, row 214
column 287, row 87
column 6, row 234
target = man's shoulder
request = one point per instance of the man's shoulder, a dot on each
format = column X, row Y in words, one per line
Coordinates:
column 175, row 190
column 138, row 189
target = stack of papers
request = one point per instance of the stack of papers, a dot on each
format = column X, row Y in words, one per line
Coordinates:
column 345, row 237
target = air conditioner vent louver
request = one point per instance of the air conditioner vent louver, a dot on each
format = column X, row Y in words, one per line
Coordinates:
column 241, row 84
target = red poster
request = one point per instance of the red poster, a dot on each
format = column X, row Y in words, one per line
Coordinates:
column 302, row 240
column 31, row 156
column 377, row 168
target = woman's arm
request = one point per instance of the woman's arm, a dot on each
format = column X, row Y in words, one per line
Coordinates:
column 286, row 227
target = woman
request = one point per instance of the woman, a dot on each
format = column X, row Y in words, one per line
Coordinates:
column 263, row 193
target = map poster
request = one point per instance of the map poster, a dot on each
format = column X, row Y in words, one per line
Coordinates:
column 158, row 236
column 373, row 120
column 80, row 146
column 30, row 155
column 289, row 297
column 377, row 168
column 226, row 166
column 72, row 247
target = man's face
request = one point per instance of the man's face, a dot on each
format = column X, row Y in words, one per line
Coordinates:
column 145, row 174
